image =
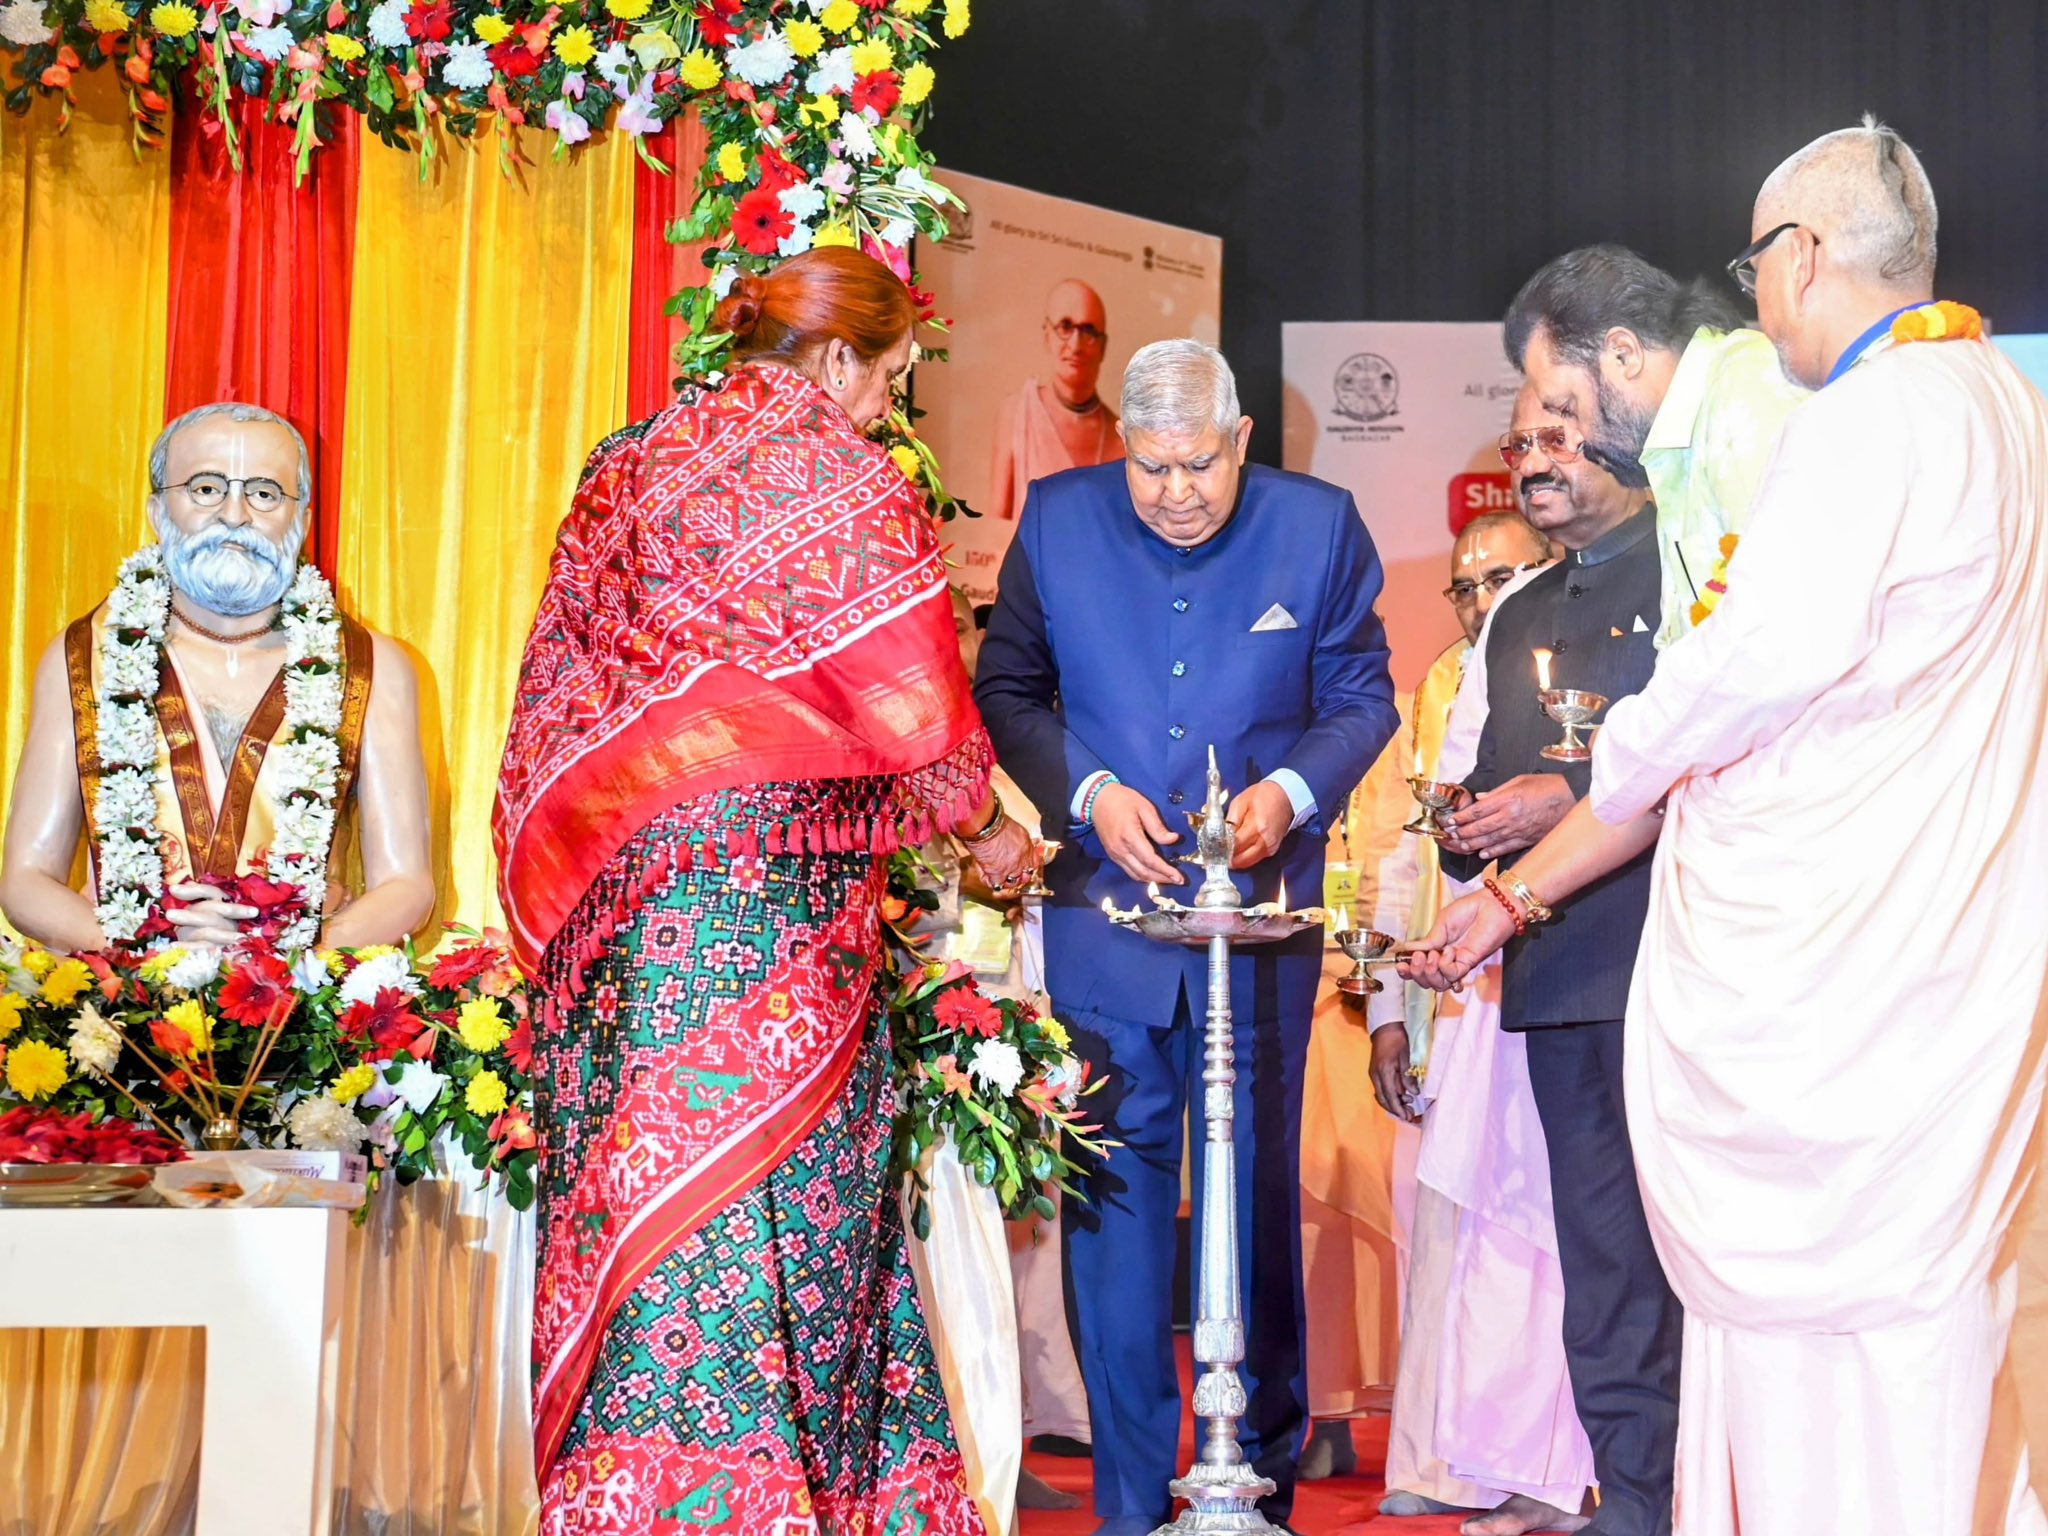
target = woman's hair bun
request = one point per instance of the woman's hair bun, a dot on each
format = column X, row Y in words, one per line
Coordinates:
column 739, row 313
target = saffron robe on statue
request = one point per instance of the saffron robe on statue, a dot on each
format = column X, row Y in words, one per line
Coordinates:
column 1835, row 1032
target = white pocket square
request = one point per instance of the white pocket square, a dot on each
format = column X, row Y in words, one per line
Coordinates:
column 1275, row 617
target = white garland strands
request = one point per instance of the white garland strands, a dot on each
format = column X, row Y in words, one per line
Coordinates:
column 306, row 757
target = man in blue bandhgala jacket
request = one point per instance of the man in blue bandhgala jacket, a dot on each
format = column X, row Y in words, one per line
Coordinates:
column 1150, row 609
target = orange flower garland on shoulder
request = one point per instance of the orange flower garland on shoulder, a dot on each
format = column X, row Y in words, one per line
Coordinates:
column 1943, row 320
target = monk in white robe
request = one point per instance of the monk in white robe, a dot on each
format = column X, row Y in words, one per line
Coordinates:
column 1835, row 1035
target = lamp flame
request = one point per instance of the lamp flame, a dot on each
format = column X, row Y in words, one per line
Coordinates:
column 1343, row 919
column 1542, row 668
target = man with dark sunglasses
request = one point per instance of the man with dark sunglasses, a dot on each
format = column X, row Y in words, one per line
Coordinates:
column 1669, row 390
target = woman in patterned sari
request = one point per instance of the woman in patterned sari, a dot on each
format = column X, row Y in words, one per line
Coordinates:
column 740, row 689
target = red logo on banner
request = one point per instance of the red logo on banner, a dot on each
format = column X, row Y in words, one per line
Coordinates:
column 1476, row 495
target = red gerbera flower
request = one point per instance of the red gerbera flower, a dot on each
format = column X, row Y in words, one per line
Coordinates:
column 257, row 990
column 519, row 1044
column 760, row 222
column 880, row 90
column 460, row 965
column 966, row 1010
column 170, row 1039
column 777, row 173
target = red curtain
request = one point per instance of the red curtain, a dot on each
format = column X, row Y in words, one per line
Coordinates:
column 259, row 291
column 659, row 268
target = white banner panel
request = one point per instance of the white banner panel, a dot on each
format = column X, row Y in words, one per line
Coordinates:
column 1405, row 415
column 1017, row 266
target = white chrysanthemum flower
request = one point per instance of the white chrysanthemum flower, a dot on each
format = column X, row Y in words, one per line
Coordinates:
column 313, row 698
column 387, row 25
column 196, row 968
column 95, row 1044
column 362, row 984
column 418, row 1086
column 833, row 72
column 765, row 61
column 857, row 136
column 22, row 23
column 1063, row 1080
column 319, row 1124
column 129, row 861
column 896, row 232
column 468, row 67
column 121, row 914
column 997, row 1064
column 127, row 735
column 804, row 200
column 129, row 670
column 796, row 242
column 270, row 43
column 127, row 799
column 614, row 67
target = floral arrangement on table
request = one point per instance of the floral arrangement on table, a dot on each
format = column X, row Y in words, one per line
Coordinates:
column 993, row 1074
column 371, row 1050
column 811, row 108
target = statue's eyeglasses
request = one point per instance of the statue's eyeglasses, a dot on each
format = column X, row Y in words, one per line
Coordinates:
column 210, row 490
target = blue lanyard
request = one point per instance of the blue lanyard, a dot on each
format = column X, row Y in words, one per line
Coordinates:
column 1862, row 344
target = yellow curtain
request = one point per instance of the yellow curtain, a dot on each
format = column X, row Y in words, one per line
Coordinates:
column 487, row 357
column 84, row 270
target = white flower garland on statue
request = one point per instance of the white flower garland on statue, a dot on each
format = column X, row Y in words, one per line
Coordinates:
column 306, row 758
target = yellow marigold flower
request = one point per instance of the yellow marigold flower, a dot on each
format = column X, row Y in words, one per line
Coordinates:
column 1056, row 1032
column 63, row 985
column 157, row 966
column 820, row 111
column 700, row 70
column 628, row 10
column 956, row 18
column 36, row 1070
column 482, row 1025
column 38, row 963
column 174, row 19
column 575, row 47
column 492, row 29
column 834, row 234
column 805, row 38
column 12, row 1007
column 912, row 7
column 485, row 1094
column 105, row 16
column 917, row 84
column 194, row 1020
column 872, row 57
column 732, row 162
column 353, row 1083
column 907, row 460
column 342, row 47
column 840, row 16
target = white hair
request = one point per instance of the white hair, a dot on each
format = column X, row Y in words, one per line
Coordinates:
column 1865, row 197
column 160, row 450
column 1178, row 386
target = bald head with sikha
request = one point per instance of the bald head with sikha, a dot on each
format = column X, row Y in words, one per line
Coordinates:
column 1842, row 234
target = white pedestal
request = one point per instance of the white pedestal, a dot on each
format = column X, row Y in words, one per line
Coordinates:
column 266, row 1287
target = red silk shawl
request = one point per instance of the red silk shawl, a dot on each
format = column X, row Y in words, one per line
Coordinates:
column 746, row 590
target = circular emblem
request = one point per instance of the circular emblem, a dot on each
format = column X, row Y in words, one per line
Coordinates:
column 1367, row 388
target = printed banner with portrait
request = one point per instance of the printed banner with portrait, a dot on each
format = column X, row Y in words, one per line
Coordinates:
column 1049, row 299
column 1406, row 416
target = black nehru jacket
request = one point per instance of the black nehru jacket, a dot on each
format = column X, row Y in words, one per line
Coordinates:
column 1596, row 611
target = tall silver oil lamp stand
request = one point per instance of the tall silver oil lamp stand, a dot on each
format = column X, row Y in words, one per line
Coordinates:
column 1222, row 1489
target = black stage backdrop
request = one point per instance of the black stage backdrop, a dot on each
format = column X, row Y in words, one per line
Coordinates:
column 1416, row 159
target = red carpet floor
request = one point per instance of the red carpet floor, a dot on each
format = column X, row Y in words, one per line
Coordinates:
column 1340, row 1504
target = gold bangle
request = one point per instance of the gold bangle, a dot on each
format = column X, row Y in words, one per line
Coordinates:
column 1537, row 912
column 987, row 834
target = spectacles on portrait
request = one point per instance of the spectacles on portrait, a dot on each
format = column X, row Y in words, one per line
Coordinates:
column 1556, row 442
column 1463, row 592
column 1743, row 267
column 1070, row 330
column 208, row 491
